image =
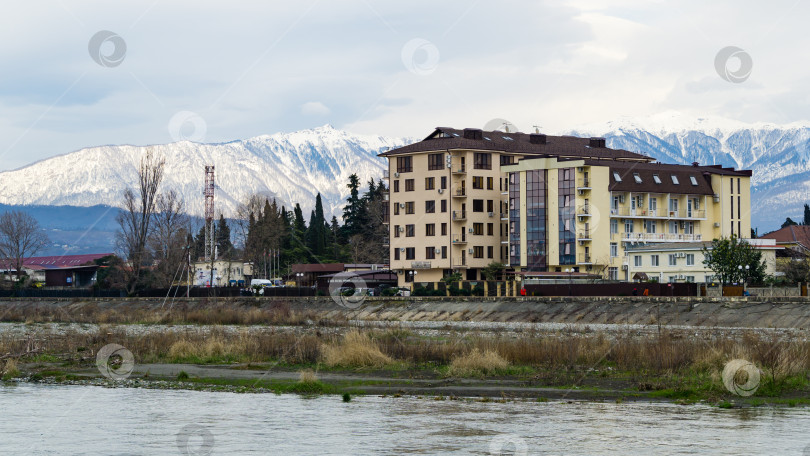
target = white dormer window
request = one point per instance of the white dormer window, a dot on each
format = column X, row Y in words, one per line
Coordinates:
column 656, row 179
column 693, row 180
column 507, row 138
column 637, row 178
column 616, row 177
column 675, row 179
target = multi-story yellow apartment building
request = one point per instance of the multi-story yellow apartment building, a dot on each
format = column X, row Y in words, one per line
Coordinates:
column 462, row 199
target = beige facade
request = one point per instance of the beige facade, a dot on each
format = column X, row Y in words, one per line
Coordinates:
column 224, row 272
column 574, row 204
column 683, row 262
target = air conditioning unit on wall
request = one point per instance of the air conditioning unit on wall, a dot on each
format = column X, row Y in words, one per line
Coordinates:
column 441, row 190
column 396, row 174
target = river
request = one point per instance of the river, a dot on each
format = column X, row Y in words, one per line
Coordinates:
column 46, row 419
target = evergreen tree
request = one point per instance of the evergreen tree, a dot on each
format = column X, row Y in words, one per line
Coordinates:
column 806, row 215
column 354, row 210
column 788, row 222
column 223, row 233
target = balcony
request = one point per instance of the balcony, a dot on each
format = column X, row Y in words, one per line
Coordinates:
column 684, row 214
column 584, row 235
column 504, row 216
column 661, row 237
column 460, row 264
column 460, row 240
column 584, row 258
column 386, row 174
column 459, row 169
column 584, row 211
column 459, row 216
column 460, row 192
column 420, row 264
column 583, row 184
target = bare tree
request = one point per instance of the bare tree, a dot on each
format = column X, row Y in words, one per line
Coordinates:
column 20, row 238
column 136, row 218
column 168, row 241
column 253, row 205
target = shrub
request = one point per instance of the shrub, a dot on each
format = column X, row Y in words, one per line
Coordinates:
column 182, row 376
column 10, row 371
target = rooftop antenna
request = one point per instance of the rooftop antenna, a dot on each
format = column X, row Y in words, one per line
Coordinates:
column 536, row 128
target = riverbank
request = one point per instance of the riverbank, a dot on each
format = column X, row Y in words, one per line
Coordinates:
column 573, row 362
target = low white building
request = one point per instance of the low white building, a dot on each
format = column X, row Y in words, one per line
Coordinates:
column 683, row 262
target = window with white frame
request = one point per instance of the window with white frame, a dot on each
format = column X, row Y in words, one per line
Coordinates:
column 673, row 204
column 690, row 260
column 614, row 226
column 613, row 273
column 637, row 261
column 654, row 260
column 653, row 204
column 614, row 250
column 628, row 226
column 650, row 225
column 673, row 259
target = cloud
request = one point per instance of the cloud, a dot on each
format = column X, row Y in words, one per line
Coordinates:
column 314, row 108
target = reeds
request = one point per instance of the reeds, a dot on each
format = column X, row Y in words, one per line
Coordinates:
column 355, row 350
column 477, row 363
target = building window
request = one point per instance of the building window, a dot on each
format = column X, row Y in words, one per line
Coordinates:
column 628, row 226
column 430, row 183
column 738, row 185
column 430, row 229
column 656, row 179
column 637, row 261
column 673, row 259
column 654, row 260
column 444, row 229
column 614, row 250
column 614, row 226
column 478, row 229
column 435, row 162
column 444, row 205
column 690, row 279
column 637, row 178
column 482, row 160
column 410, row 253
column 444, row 251
column 490, row 183
column 410, row 230
column 430, row 207
column 409, row 185
column 490, row 229
column 690, row 259
column 396, row 254
column 507, row 160
column 490, row 206
column 478, row 251
column 693, row 180
column 613, row 273
column 396, row 209
column 478, row 182
column 443, row 182
column 478, row 205
column 651, row 225
column 673, row 205
column 616, row 177
column 396, row 186
column 409, row 207
column 490, row 251
column 396, row 230
column 404, row 164
column 675, row 179
column 430, row 253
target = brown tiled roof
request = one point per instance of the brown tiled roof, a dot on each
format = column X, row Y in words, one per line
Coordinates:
column 445, row 138
column 318, row 267
column 799, row 234
column 647, row 172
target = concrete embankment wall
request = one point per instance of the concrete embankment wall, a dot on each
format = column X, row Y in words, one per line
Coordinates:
column 785, row 312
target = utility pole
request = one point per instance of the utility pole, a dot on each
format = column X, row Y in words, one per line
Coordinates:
column 210, row 238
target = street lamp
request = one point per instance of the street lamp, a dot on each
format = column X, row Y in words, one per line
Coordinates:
column 570, row 281
column 298, row 276
column 744, row 274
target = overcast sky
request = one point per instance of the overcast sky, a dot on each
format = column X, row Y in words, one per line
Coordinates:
column 218, row 71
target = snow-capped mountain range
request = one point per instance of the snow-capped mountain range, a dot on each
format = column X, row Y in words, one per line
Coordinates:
column 292, row 167
column 779, row 155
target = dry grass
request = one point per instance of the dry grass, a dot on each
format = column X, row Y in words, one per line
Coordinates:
column 355, row 350
column 10, row 369
column 477, row 363
column 307, row 376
